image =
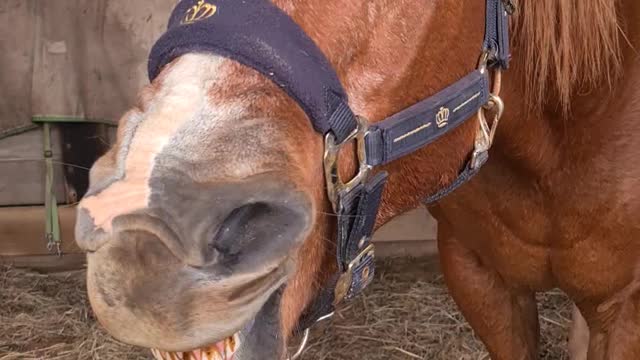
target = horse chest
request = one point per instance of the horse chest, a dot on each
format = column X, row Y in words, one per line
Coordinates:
column 569, row 238
column 517, row 250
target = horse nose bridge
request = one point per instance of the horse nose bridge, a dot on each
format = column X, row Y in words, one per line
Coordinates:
column 91, row 237
column 88, row 236
column 97, row 213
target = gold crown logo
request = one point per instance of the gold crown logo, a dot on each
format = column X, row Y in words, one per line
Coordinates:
column 442, row 117
column 202, row 10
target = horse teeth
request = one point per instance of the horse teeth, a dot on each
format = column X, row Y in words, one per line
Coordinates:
column 232, row 344
column 157, row 354
column 223, row 350
column 211, row 354
column 166, row 355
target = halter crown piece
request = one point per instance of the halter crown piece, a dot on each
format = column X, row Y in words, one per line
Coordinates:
column 259, row 35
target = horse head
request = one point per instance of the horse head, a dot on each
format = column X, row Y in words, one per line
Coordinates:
column 208, row 226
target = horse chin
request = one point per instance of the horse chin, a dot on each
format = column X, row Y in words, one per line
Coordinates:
column 259, row 339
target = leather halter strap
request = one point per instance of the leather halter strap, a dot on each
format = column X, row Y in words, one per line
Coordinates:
column 259, row 35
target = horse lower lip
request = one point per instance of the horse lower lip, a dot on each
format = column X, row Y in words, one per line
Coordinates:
column 222, row 350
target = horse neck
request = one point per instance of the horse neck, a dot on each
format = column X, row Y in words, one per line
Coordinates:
column 534, row 143
column 541, row 143
column 433, row 49
column 389, row 56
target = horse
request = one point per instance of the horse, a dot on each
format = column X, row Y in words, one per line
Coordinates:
column 209, row 219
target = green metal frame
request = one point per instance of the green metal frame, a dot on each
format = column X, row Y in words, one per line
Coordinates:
column 52, row 218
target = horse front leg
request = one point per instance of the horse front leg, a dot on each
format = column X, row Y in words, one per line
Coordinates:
column 505, row 319
column 578, row 336
column 615, row 326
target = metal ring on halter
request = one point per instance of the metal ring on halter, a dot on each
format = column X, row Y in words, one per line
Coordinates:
column 305, row 338
column 496, row 79
column 482, row 62
column 302, row 346
column 335, row 185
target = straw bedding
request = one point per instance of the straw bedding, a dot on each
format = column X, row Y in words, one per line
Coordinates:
column 405, row 314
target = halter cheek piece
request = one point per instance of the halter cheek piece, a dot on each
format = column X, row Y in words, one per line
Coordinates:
column 259, row 35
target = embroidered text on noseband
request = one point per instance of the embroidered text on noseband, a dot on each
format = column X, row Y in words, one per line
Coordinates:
column 259, row 35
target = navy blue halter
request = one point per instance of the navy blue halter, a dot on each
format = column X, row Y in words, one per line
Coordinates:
column 259, row 35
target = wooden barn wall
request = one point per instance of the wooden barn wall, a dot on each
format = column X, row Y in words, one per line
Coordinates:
column 22, row 168
column 82, row 59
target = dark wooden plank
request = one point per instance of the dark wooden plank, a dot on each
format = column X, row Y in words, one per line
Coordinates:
column 22, row 231
column 46, row 263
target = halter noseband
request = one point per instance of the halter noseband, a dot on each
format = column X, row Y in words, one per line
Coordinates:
column 258, row 34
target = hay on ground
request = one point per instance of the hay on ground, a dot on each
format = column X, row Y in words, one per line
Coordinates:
column 405, row 314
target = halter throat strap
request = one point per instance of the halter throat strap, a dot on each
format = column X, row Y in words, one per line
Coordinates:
column 261, row 36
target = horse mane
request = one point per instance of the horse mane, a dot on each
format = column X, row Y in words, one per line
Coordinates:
column 565, row 47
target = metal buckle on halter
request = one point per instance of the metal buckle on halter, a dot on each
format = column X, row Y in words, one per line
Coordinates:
column 335, row 186
column 509, row 6
column 345, row 281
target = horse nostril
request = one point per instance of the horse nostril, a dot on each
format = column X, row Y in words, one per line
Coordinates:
column 257, row 232
column 225, row 241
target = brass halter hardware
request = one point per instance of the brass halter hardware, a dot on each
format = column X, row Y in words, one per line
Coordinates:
column 486, row 132
column 335, row 185
column 302, row 346
column 305, row 338
column 344, row 281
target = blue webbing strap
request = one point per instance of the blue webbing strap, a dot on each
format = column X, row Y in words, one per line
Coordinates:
column 424, row 122
column 467, row 173
column 356, row 221
column 496, row 33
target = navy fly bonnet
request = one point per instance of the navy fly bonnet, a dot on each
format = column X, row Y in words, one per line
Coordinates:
column 259, row 35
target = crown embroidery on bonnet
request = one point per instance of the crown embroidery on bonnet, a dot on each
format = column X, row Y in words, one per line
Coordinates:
column 200, row 11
